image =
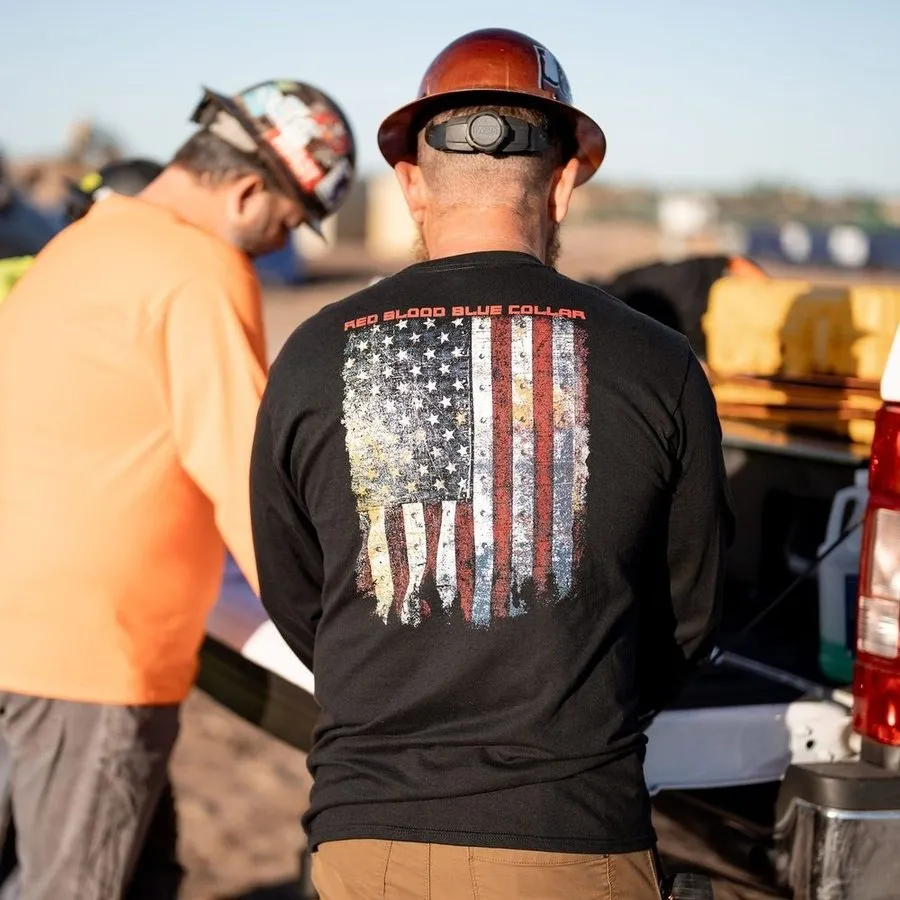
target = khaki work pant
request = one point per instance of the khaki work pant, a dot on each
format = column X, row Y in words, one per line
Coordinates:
column 396, row 870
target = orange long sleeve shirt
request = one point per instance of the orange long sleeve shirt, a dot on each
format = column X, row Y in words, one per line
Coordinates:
column 132, row 361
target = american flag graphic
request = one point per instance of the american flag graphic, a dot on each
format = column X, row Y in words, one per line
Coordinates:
column 468, row 444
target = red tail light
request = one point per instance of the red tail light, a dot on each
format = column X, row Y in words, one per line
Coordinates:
column 876, row 676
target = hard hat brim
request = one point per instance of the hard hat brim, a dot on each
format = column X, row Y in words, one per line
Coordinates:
column 397, row 137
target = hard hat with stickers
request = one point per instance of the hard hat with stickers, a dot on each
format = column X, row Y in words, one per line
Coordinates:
column 299, row 131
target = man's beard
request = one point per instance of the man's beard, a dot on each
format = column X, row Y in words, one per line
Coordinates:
column 420, row 251
column 551, row 251
column 249, row 242
column 256, row 239
column 553, row 246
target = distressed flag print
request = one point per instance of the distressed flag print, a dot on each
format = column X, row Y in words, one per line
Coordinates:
column 468, row 445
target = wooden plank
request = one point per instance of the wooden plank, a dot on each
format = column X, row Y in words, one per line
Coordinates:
column 793, row 415
column 811, row 399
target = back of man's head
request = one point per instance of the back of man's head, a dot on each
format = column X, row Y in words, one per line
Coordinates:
column 214, row 162
column 519, row 182
column 228, row 192
column 490, row 151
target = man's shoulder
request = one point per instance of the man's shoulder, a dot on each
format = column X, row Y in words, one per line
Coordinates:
column 193, row 254
column 615, row 320
column 184, row 263
column 610, row 315
column 136, row 233
column 326, row 327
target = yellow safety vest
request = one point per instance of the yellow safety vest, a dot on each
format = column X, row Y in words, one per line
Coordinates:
column 11, row 270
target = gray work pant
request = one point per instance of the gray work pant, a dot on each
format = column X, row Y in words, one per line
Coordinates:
column 84, row 784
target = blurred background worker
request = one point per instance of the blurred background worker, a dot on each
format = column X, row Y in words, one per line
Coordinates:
column 677, row 293
column 124, row 459
column 490, row 503
column 23, row 232
column 23, row 229
column 127, row 177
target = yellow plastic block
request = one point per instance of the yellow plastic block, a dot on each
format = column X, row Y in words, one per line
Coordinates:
column 861, row 431
column 873, row 319
column 796, row 329
column 745, row 324
column 809, row 345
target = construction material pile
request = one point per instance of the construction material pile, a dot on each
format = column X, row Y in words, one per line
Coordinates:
column 794, row 356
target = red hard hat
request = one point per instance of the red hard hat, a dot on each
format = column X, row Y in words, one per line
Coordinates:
column 493, row 66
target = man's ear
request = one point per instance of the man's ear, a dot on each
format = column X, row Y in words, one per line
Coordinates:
column 561, row 192
column 409, row 177
column 243, row 190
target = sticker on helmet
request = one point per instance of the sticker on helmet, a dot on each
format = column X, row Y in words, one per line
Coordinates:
column 335, row 184
column 293, row 119
column 257, row 100
column 551, row 76
column 301, row 164
column 331, row 130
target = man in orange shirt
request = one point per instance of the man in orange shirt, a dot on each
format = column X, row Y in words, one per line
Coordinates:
column 132, row 360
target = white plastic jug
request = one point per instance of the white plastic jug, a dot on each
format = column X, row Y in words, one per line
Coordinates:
column 838, row 580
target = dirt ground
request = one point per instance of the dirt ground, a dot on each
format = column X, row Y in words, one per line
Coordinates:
column 240, row 792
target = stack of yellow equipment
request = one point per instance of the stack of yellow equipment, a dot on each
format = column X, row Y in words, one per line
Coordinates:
column 796, row 355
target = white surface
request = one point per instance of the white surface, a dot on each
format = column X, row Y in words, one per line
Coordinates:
column 796, row 242
column 266, row 647
column 890, row 380
column 741, row 745
column 849, row 246
column 240, row 622
column 686, row 215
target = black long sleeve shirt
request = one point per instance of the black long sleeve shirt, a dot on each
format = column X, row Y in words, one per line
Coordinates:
column 490, row 512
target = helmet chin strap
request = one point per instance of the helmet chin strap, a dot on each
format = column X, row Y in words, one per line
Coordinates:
column 487, row 132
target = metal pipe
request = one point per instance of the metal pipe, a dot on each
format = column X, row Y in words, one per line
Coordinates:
column 818, row 691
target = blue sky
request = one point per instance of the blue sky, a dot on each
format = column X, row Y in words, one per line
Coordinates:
column 689, row 92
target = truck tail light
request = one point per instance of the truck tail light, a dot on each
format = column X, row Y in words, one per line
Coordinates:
column 876, row 676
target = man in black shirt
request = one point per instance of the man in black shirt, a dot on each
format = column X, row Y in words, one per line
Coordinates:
column 490, row 513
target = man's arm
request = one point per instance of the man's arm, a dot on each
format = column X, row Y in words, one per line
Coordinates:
column 700, row 530
column 215, row 384
column 701, row 521
column 289, row 558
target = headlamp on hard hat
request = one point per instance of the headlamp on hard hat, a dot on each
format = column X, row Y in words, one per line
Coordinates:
column 487, row 132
